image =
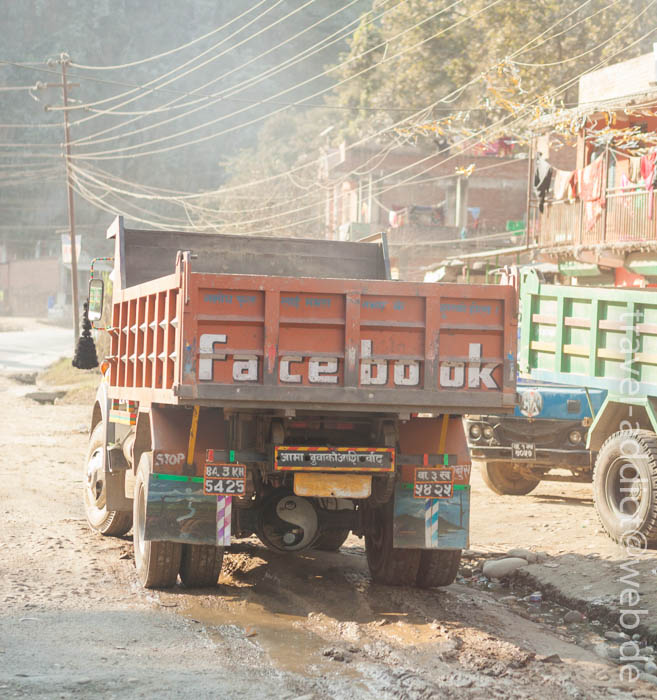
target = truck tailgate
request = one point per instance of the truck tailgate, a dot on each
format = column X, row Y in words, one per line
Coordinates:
column 590, row 336
column 322, row 344
column 265, row 341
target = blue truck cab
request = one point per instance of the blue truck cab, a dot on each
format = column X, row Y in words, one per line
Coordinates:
column 547, row 431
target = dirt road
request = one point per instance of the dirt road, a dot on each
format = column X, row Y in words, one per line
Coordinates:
column 74, row 622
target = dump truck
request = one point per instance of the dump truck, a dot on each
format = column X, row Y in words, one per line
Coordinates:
column 604, row 339
column 288, row 388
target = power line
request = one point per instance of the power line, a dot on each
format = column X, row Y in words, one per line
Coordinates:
column 516, row 119
column 171, row 51
column 589, row 51
column 32, row 126
column 148, row 84
column 107, row 154
column 11, row 88
column 184, row 65
column 338, row 35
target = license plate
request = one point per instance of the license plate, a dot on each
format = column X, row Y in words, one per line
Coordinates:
column 433, row 482
column 224, row 480
column 523, row 450
column 361, row 459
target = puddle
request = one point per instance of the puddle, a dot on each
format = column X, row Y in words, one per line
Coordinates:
column 283, row 637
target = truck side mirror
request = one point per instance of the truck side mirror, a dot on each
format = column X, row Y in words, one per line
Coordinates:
column 96, row 294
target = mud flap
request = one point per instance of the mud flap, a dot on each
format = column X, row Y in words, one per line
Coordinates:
column 431, row 523
column 115, row 492
column 177, row 510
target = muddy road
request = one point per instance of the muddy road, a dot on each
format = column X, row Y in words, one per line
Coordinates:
column 75, row 623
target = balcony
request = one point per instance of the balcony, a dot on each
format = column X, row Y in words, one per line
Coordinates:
column 624, row 220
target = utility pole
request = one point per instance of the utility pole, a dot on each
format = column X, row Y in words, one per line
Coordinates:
column 64, row 60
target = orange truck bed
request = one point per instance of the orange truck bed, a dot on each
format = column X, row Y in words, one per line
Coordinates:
column 293, row 342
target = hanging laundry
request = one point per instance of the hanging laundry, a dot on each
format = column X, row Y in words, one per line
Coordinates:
column 627, row 186
column 395, row 217
column 565, row 185
column 590, row 179
column 591, row 190
column 648, row 173
column 635, row 169
column 542, row 179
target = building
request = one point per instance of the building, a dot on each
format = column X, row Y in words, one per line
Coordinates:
column 598, row 218
column 430, row 202
column 35, row 281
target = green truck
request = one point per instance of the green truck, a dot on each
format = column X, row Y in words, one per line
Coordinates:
column 603, row 338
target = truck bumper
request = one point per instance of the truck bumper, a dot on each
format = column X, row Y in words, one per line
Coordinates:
column 545, row 457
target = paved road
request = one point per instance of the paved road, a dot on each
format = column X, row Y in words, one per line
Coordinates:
column 34, row 347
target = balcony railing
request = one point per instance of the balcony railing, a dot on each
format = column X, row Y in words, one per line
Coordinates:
column 626, row 217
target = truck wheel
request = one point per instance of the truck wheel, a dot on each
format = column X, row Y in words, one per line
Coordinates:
column 200, row 565
column 107, row 522
column 503, row 480
column 390, row 566
column 438, row 567
column 625, row 486
column 331, row 540
column 157, row 563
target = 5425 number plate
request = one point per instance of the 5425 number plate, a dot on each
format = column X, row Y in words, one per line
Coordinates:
column 224, row 480
column 433, row 482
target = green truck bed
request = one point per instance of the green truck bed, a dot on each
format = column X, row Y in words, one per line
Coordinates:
column 589, row 336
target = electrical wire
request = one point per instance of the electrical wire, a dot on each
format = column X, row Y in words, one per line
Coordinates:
column 361, row 141
column 589, row 51
column 59, row 125
column 250, row 81
column 11, row 88
column 192, row 60
column 171, row 51
column 108, row 154
column 485, row 129
column 576, row 24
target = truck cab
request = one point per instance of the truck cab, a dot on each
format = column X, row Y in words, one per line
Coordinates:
column 546, row 433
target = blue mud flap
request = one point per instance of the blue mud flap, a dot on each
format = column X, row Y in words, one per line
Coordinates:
column 178, row 511
column 431, row 523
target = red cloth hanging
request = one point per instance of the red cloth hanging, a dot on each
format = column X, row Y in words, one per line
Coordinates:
column 647, row 170
column 592, row 191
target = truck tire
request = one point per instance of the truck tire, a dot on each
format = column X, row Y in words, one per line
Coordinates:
column 631, row 507
column 157, row 563
column 200, row 565
column 107, row 522
column 390, row 566
column 331, row 540
column 438, row 567
column 501, row 479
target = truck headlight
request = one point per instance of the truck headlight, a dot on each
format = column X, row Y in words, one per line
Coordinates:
column 475, row 431
column 488, row 432
column 574, row 437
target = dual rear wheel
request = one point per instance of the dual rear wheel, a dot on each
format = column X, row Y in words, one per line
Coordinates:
column 158, row 563
column 424, row 568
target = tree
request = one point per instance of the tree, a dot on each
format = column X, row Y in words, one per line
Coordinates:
column 405, row 56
